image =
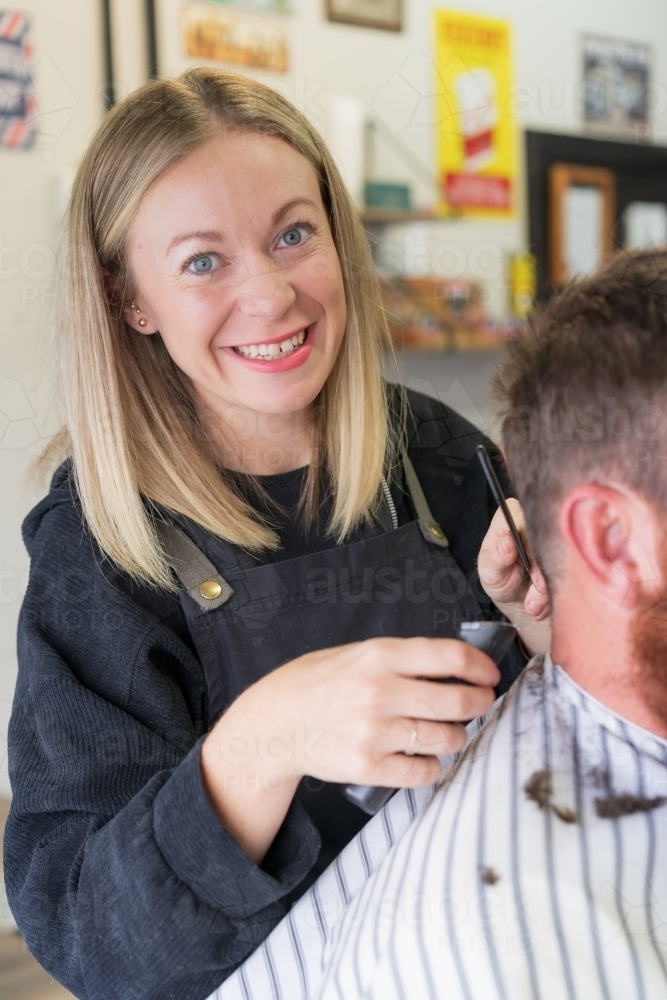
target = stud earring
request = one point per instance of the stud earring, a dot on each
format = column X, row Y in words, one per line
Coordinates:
column 135, row 307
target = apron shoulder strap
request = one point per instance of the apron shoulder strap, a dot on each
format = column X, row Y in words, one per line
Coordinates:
column 210, row 590
column 428, row 525
column 198, row 576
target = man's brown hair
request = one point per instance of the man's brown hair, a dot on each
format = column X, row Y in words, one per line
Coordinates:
column 583, row 392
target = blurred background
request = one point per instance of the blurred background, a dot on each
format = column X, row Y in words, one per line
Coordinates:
column 495, row 148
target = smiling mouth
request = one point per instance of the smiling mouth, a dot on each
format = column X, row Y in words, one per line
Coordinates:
column 270, row 352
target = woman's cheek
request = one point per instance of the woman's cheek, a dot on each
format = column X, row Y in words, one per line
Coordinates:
column 188, row 340
column 320, row 272
column 316, row 270
column 331, row 293
column 194, row 318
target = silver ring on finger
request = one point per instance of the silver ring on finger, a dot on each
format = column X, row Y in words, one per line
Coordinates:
column 412, row 747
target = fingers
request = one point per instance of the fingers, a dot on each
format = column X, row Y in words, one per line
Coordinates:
column 536, row 601
column 442, row 702
column 399, row 771
column 499, row 547
column 417, row 665
column 422, row 737
column 364, row 701
column 426, row 738
column 501, row 572
column 407, row 753
column 439, row 658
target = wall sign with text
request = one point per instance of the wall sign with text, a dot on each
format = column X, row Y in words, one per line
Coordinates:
column 476, row 131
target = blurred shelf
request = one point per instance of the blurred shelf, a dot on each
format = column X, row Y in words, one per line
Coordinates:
column 382, row 216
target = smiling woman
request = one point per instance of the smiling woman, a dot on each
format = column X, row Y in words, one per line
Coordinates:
column 251, row 561
column 259, row 294
column 192, row 206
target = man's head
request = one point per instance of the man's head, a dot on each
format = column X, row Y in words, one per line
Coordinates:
column 584, row 394
column 584, row 408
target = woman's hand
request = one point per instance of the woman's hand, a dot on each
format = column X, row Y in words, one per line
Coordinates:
column 345, row 715
column 524, row 601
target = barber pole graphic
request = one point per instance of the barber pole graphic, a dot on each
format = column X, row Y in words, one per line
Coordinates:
column 17, row 99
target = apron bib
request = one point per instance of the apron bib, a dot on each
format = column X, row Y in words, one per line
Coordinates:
column 246, row 618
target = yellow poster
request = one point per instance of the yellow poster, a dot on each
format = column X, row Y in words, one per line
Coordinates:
column 476, row 132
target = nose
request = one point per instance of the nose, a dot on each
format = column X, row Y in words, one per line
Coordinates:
column 265, row 292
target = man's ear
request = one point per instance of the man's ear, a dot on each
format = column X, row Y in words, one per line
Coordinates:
column 131, row 312
column 609, row 530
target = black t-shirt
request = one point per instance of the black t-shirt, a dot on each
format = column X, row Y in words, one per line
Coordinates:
column 278, row 498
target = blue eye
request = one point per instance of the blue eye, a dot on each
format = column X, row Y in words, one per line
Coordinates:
column 203, row 264
column 293, row 236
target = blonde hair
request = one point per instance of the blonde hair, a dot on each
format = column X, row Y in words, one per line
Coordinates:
column 131, row 422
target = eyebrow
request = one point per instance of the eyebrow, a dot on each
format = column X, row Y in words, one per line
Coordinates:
column 289, row 206
column 200, row 234
column 213, row 234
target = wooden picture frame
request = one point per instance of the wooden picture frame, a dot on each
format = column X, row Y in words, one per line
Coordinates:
column 384, row 14
column 562, row 178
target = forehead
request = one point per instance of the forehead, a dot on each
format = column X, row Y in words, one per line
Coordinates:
column 240, row 176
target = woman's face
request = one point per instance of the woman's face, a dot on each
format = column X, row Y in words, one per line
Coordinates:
column 233, row 262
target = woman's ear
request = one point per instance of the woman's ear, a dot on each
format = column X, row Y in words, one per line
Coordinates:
column 609, row 531
column 135, row 317
column 131, row 312
column 110, row 282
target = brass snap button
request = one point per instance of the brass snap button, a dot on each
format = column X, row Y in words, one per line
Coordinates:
column 210, row 589
column 436, row 531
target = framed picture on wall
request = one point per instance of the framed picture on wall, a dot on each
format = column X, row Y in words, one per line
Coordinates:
column 247, row 36
column 581, row 217
column 232, row 37
column 386, row 14
column 617, row 77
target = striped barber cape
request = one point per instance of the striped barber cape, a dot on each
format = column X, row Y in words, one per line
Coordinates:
column 538, row 870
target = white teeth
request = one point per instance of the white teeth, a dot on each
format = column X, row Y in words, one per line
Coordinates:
column 271, row 350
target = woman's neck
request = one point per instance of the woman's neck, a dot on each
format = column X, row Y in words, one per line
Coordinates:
column 261, row 444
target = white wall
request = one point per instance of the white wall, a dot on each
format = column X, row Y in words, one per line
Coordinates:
column 393, row 75
column 67, row 37
column 388, row 72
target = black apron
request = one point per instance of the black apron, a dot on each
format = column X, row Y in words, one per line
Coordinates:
column 247, row 618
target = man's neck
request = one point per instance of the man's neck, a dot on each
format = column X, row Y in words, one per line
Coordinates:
column 598, row 655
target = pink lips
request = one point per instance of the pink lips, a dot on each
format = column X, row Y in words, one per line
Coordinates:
column 292, row 360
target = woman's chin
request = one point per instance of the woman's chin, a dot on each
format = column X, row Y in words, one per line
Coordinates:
column 279, row 397
column 284, row 390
